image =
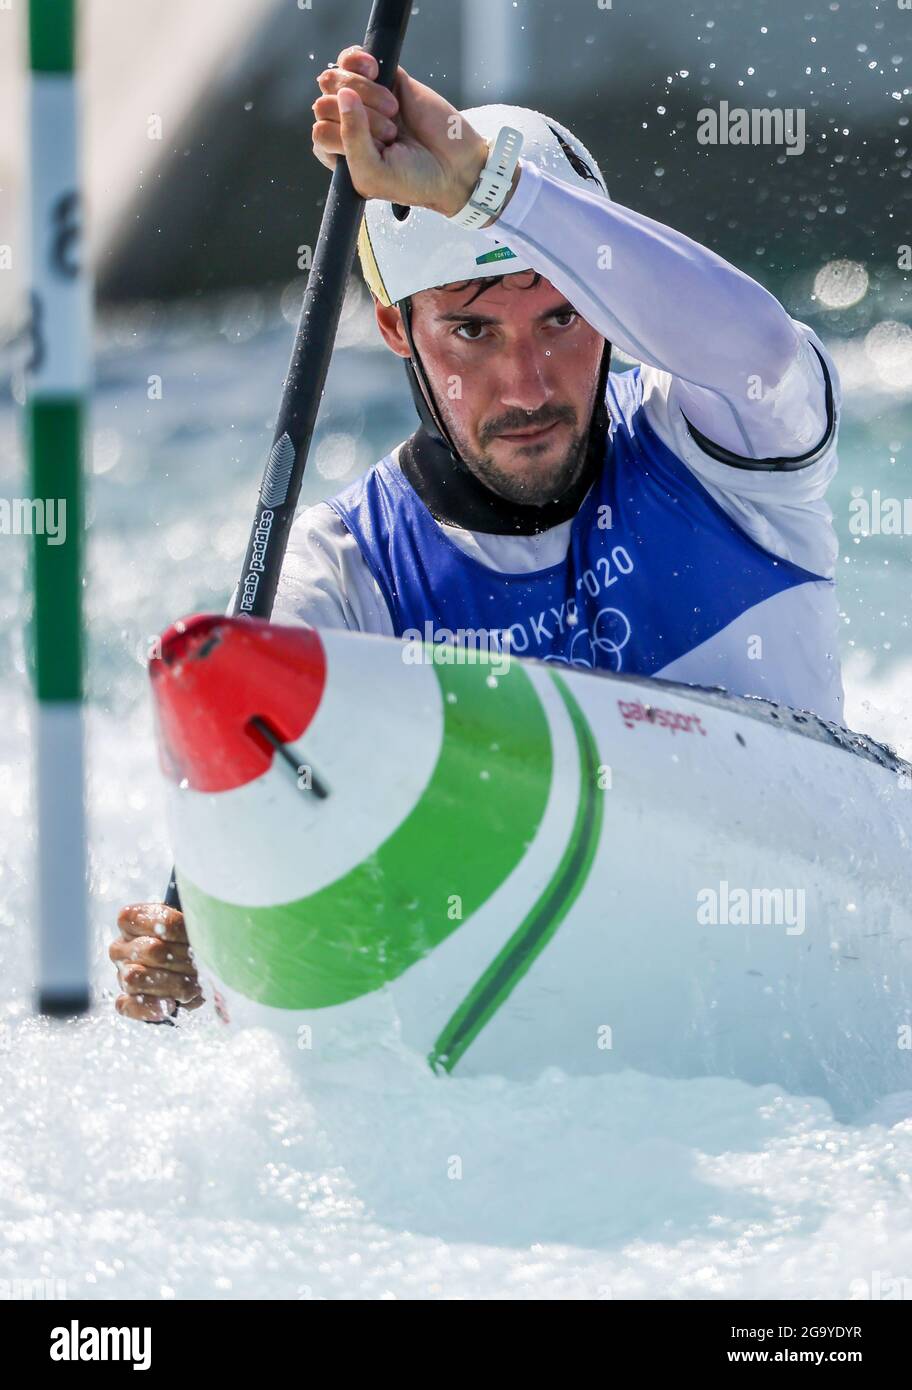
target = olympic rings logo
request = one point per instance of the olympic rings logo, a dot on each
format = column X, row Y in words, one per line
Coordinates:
column 609, row 636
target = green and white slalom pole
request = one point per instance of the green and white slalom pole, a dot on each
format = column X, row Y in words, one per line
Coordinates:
column 58, row 379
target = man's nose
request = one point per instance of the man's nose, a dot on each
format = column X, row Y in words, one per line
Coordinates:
column 524, row 378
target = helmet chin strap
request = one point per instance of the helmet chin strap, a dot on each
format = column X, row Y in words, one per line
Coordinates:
column 430, row 416
column 421, row 391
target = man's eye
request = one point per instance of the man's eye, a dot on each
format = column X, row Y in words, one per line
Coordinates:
column 471, row 338
column 568, row 315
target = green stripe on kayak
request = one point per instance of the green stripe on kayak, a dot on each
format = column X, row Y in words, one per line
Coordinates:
column 468, row 830
column 55, row 445
column 537, row 929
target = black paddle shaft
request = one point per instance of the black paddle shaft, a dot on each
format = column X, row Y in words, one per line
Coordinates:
column 313, row 345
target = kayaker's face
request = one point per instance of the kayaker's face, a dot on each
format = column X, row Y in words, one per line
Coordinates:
column 514, row 373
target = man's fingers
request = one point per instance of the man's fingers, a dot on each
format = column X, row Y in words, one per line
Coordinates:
column 154, row 963
column 150, row 950
column 165, row 984
column 328, row 142
column 357, row 59
column 329, row 160
column 352, row 137
column 326, row 110
column 145, row 1010
column 359, row 129
column 153, row 919
column 153, row 1010
column 358, row 146
column 191, row 1004
column 375, row 97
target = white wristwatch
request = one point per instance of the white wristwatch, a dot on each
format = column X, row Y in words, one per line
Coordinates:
column 494, row 181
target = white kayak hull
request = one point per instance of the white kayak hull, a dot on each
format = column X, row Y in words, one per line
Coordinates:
column 547, row 868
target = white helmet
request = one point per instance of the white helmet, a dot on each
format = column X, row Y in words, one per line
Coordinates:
column 404, row 250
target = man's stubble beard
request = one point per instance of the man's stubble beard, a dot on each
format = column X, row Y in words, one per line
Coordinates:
column 524, row 490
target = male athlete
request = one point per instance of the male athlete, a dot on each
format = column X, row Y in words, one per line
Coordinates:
column 667, row 521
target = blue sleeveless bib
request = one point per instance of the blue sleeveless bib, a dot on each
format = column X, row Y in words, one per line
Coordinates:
column 653, row 569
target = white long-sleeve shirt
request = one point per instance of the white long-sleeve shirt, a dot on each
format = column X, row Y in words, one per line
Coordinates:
column 719, row 354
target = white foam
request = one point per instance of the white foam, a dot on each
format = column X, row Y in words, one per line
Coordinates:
column 880, row 704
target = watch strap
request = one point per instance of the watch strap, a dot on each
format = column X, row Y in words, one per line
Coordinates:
column 494, row 181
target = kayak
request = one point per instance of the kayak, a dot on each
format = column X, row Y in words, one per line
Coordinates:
column 507, row 865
